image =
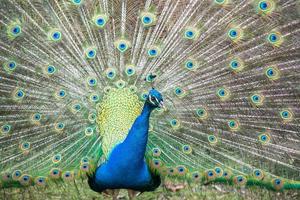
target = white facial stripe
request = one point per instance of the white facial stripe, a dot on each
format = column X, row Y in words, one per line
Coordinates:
column 157, row 100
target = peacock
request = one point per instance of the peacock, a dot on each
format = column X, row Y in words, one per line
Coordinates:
column 125, row 166
column 103, row 95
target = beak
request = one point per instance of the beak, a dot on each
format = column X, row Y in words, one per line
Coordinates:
column 161, row 105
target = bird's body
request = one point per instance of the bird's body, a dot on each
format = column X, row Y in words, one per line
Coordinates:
column 126, row 166
column 74, row 105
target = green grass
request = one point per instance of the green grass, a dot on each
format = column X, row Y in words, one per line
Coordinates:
column 194, row 192
column 215, row 192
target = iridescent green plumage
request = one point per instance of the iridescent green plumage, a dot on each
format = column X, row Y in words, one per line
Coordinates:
column 116, row 114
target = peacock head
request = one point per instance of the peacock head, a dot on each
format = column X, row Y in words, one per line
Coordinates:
column 155, row 98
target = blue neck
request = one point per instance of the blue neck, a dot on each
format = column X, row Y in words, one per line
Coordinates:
column 147, row 109
column 136, row 140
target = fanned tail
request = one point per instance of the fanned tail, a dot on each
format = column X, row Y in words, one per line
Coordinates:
column 75, row 72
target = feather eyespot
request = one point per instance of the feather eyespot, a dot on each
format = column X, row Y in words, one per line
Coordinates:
column 10, row 66
column 236, row 65
column 150, row 77
column 286, row 115
column 16, row 175
column 272, row 73
column 77, row 2
column 92, row 117
column 25, row 147
column 277, row 183
column 233, row 125
column 258, row 174
column 171, row 171
column 122, row 45
column 94, row 98
column 212, row 139
column 264, row 138
column 55, row 173
column 156, row 163
column 196, row 176
column 257, row 99
column 221, row 2
column 275, row 38
column 91, row 81
column 181, row 170
column 187, row 149
column 90, row 52
column 223, row 93
column 156, row 152
column 153, row 51
column 50, row 70
column 148, row 19
column 110, row 73
column 40, row 181
column 54, row 35
column 218, row 171
column 85, row 160
column 120, row 84
column 6, row 176
column 14, row 29
column 56, row 158
column 19, row 94
column 202, row 113
column 133, row 89
column 85, row 167
column 265, row 7
column 191, row 33
column 60, row 94
column 179, row 92
column 68, row 175
column 129, row 70
column 89, row 131
column 100, row 20
column 240, row 180
column 36, row 118
column 144, row 95
column 76, row 107
column 25, row 180
column 59, row 126
column 5, row 129
column 235, row 33
column 191, row 64
column 210, row 174
column 227, row 174
column 175, row 124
